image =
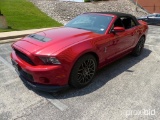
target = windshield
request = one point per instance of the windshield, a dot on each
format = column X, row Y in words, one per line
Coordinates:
column 151, row 15
column 91, row 22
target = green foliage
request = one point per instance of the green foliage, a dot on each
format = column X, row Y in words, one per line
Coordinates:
column 94, row 0
column 22, row 15
column 87, row 0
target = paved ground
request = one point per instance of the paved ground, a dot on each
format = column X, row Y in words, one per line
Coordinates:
column 120, row 91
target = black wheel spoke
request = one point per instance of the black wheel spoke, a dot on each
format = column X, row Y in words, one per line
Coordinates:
column 86, row 71
column 139, row 47
column 83, row 71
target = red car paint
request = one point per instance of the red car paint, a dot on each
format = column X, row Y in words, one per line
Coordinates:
column 69, row 44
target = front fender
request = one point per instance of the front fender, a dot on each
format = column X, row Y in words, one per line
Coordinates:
column 71, row 54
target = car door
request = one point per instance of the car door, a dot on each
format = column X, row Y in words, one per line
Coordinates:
column 151, row 19
column 111, row 42
column 107, row 46
column 157, row 19
column 126, row 39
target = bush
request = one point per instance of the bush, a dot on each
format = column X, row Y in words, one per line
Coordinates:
column 87, row 1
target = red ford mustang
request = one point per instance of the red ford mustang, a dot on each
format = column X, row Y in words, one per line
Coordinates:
column 53, row 59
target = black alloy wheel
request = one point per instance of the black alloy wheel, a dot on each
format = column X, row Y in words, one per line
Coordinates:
column 83, row 71
column 139, row 47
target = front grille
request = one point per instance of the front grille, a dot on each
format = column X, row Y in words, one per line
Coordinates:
column 26, row 75
column 23, row 57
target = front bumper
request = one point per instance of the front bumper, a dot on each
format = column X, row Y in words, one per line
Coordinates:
column 42, row 77
column 40, row 87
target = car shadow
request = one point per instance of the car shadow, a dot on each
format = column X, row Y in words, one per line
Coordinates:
column 101, row 78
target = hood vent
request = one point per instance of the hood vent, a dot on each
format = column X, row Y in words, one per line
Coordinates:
column 39, row 37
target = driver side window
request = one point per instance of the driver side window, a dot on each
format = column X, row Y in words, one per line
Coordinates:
column 150, row 16
column 118, row 23
column 158, row 15
column 125, row 22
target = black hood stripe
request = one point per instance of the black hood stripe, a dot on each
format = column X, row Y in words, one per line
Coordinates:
column 39, row 37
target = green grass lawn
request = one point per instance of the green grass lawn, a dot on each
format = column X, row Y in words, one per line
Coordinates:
column 23, row 15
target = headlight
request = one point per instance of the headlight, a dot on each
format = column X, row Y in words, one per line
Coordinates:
column 50, row 60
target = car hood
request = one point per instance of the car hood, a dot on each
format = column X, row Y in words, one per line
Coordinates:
column 52, row 40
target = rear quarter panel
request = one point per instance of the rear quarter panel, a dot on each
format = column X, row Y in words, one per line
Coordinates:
column 141, row 30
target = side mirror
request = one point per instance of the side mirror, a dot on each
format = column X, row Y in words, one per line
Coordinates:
column 118, row 29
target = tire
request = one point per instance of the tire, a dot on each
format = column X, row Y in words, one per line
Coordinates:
column 139, row 47
column 83, row 71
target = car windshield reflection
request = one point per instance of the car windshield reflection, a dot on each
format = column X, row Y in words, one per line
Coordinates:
column 91, row 22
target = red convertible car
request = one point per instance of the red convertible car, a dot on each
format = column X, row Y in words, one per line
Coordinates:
column 70, row 55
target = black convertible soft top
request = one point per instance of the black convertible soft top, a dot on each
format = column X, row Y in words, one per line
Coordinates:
column 118, row 14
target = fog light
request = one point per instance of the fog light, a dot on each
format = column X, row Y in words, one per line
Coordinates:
column 44, row 80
